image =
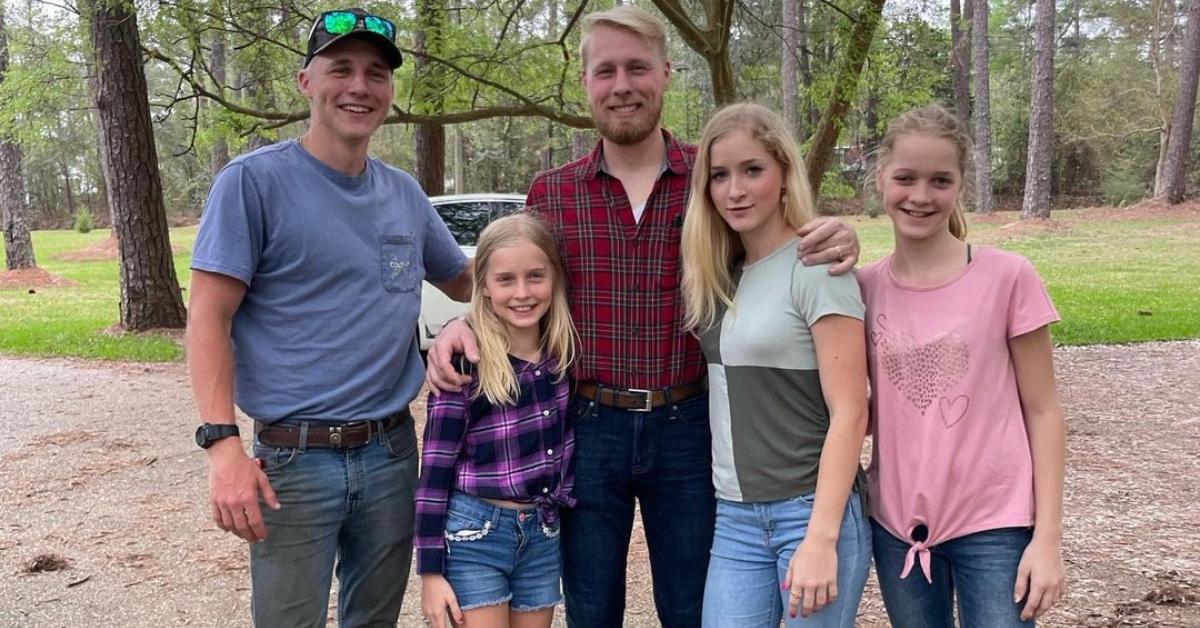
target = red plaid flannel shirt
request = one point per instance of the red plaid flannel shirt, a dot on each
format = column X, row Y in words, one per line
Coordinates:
column 623, row 276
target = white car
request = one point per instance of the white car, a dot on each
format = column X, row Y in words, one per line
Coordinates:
column 466, row 215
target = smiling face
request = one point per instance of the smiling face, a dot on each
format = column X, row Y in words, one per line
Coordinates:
column 519, row 284
column 349, row 87
column 745, row 183
column 625, row 78
column 920, row 185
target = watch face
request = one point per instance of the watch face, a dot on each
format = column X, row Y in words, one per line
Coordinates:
column 207, row 433
column 202, row 435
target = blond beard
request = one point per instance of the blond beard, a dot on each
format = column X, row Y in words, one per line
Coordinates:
column 629, row 133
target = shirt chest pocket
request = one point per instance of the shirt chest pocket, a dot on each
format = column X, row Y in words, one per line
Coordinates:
column 398, row 266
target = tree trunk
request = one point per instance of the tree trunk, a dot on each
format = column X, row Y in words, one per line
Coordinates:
column 548, row 149
column 983, row 108
column 789, row 54
column 150, row 295
column 429, row 139
column 1185, row 110
column 460, row 177
column 259, row 89
column 70, row 194
column 14, row 206
column 1041, row 118
column 844, row 88
column 959, row 44
column 1164, row 18
column 811, row 117
column 710, row 41
column 216, row 65
column 582, row 143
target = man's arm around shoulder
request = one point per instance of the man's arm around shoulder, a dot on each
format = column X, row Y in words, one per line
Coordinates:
column 234, row 480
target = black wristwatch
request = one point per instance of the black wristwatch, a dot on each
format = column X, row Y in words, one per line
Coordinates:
column 209, row 433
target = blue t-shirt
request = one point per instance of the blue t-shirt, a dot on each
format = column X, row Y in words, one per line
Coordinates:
column 333, row 266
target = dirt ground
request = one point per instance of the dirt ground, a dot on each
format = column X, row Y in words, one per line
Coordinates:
column 104, row 520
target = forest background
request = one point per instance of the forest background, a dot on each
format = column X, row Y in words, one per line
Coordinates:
column 118, row 114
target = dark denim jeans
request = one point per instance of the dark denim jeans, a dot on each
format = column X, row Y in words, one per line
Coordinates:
column 978, row 569
column 663, row 460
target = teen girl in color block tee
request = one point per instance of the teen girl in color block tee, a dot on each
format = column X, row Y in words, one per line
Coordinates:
column 967, row 471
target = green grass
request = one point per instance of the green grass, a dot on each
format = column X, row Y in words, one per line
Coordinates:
column 73, row 321
column 1114, row 281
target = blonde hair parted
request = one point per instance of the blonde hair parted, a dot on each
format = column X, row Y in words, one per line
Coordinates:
column 497, row 381
column 932, row 121
column 625, row 17
column 710, row 248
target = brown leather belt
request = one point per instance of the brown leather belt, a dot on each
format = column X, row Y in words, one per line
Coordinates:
column 639, row 400
column 325, row 433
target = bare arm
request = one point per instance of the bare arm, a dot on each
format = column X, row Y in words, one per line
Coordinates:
column 459, row 288
column 440, row 375
column 1040, row 576
column 234, row 480
column 828, row 240
column 842, row 363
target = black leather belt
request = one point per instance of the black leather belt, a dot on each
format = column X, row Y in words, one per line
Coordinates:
column 637, row 399
column 346, row 435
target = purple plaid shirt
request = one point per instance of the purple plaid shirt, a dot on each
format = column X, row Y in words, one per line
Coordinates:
column 516, row 453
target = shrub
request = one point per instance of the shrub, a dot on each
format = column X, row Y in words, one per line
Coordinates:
column 83, row 221
column 1122, row 187
column 833, row 187
column 872, row 206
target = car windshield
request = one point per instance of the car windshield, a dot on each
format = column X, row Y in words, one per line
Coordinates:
column 466, row 219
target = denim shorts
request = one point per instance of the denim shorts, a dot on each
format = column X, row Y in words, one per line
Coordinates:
column 497, row 555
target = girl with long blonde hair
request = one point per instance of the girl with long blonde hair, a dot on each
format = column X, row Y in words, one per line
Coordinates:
column 787, row 378
column 967, row 468
column 496, row 463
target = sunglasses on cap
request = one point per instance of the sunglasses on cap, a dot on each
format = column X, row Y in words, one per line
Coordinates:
column 343, row 21
column 331, row 27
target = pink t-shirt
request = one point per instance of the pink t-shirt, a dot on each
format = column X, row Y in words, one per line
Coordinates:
column 951, row 451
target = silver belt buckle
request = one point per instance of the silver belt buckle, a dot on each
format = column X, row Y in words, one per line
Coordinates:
column 335, row 436
column 648, row 393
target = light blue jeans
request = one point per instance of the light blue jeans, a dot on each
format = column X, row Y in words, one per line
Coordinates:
column 752, row 550
column 978, row 569
column 352, row 506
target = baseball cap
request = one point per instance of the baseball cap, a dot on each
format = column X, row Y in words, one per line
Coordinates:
column 331, row 27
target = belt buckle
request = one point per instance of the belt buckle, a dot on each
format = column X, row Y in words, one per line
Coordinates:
column 649, row 396
column 335, row 436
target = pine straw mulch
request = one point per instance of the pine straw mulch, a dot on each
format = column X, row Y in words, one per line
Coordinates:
column 32, row 278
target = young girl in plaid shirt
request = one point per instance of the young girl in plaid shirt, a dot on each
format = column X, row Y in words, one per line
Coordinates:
column 495, row 466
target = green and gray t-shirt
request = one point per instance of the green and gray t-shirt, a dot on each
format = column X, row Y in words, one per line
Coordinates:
column 767, row 412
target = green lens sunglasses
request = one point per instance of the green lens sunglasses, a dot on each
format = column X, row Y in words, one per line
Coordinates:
column 342, row 22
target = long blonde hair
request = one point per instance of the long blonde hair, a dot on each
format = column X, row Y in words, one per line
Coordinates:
column 932, row 121
column 710, row 247
column 497, row 380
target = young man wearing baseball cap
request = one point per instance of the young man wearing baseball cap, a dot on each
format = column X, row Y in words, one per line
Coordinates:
column 306, row 288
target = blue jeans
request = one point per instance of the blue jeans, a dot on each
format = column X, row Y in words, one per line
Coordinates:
column 662, row 459
column 355, row 506
column 751, row 555
column 498, row 555
column 980, row 568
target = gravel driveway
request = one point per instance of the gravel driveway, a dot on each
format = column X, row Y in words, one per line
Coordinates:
column 104, row 519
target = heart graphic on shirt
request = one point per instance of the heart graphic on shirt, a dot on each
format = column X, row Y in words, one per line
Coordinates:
column 923, row 371
column 953, row 411
column 881, row 323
